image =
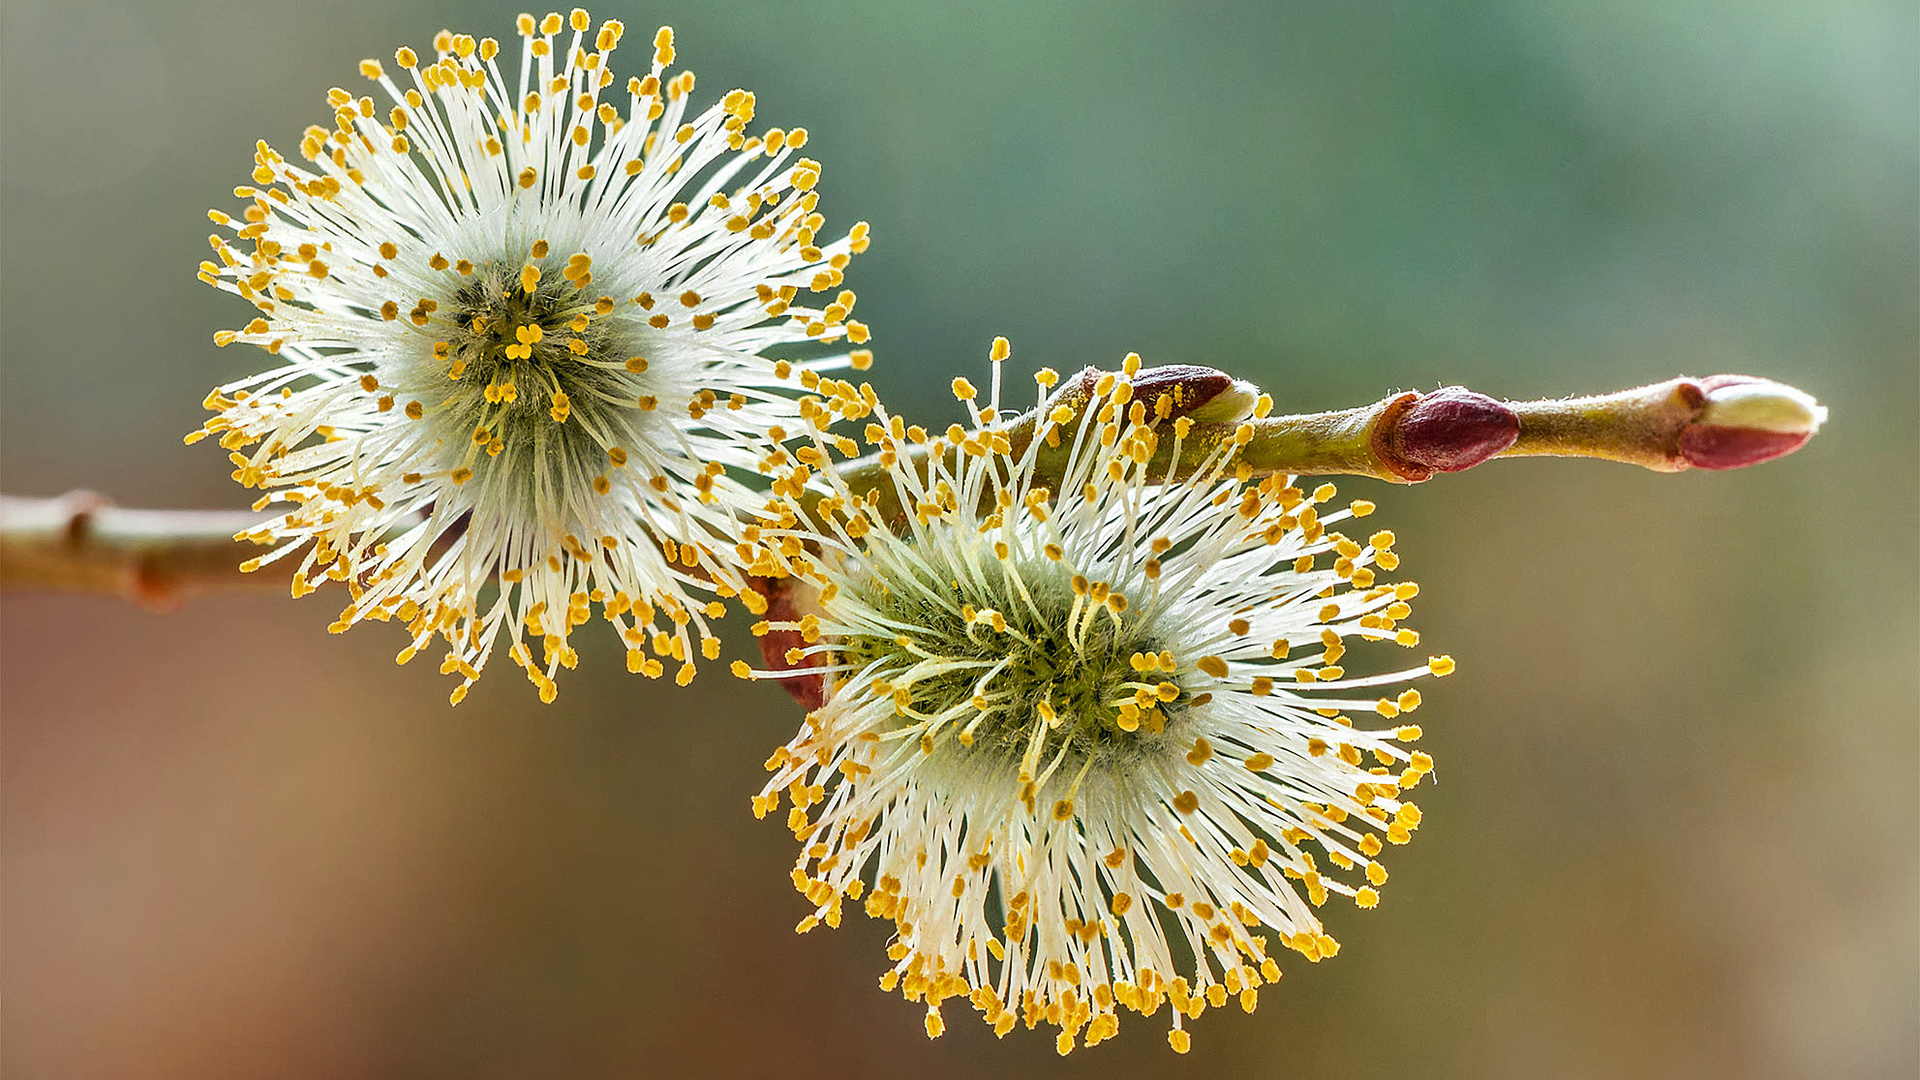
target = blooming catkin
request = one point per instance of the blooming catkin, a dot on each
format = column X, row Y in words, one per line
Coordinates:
column 518, row 324
column 1093, row 744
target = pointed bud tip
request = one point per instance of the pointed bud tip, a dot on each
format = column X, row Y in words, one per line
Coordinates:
column 1760, row 404
column 1746, row 421
column 1454, row 428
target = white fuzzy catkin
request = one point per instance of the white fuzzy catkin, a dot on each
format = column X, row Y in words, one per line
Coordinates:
column 1084, row 741
column 519, row 337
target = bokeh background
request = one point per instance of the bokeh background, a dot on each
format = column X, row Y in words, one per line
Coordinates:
column 1674, row 833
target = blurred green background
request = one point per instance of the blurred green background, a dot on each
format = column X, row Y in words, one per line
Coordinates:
column 1674, row 832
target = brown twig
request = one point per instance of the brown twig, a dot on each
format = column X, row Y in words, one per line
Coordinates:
column 156, row 557
column 80, row 541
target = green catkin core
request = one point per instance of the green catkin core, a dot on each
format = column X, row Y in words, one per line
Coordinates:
column 1083, row 668
column 543, row 382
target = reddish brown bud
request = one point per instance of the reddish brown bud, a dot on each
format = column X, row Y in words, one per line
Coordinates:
column 1204, row 394
column 1745, row 421
column 1710, row 446
column 1452, row 429
column 809, row 690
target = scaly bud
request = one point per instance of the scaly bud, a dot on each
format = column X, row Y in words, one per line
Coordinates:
column 1746, row 421
column 1452, row 429
column 783, row 607
column 1203, row 394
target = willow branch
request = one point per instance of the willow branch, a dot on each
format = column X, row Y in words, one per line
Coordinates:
column 157, row 557
column 80, row 541
column 1717, row 422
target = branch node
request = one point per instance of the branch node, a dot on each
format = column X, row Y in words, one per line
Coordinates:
column 80, row 506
